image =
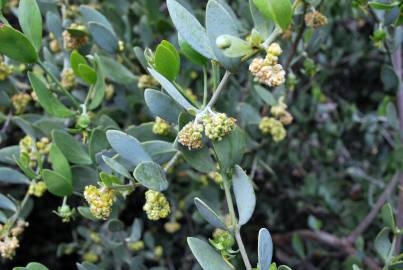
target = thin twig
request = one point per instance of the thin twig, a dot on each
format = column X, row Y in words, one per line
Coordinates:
column 375, row 210
column 171, row 162
column 219, row 89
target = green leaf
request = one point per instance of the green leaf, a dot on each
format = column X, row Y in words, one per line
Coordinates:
column 91, row 15
column 128, row 147
column 57, row 184
column 191, row 54
column 36, row 266
column 116, row 166
column 382, row 244
column 220, row 22
column 167, row 60
column 244, row 195
column 6, row 203
column 265, row 249
column 260, row 22
column 71, row 148
column 10, row 176
column 389, row 78
column 280, row 11
column 46, row 98
column 209, row 215
column 87, row 73
column 104, row 37
column 160, row 151
column 9, row 154
column 206, row 256
column 236, row 47
column 98, row 142
column 172, row 91
column 162, row 105
column 30, row 19
column 98, row 93
column 383, row 6
column 151, row 175
column 59, row 162
column 298, row 245
column 25, row 126
column 396, row 266
column 388, row 216
column 77, row 59
column 116, row 71
column 283, row 267
column 86, row 212
column 230, row 149
column 16, row 46
column 266, row 95
column 190, row 29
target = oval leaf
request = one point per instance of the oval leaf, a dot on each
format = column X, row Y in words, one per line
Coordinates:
column 244, row 195
column 71, row 148
column 103, row 37
column 30, row 19
column 56, row 183
column 116, row 71
column 10, row 176
column 162, row 105
column 209, row 215
column 16, row 45
column 265, row 249
column 167, row 61
column 151, row 175
column 206, row 256
column 87, row 73
column 6, row 203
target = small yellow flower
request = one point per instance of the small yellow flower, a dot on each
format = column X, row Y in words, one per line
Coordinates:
column 5, row 70
column 274, row 49
column 147, row 81
column 68, row 79
column 136, row 246
column 172, row 227
column 74, row 42
column 191, row 136
column 90, row 257
column 217, row 177
column 159, row 251
column 109, row 91
column 20, row 102
column 156, row 206
column 19, row 228
column 161, row 127
column 43, row 146
column 315, row 19
column 100, row 200
column 37, row 189
column 8, row 246
column 274, row 127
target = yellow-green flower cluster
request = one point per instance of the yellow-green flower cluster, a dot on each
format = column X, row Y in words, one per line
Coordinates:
column 54, row 44
column 268, row 71
column 100, row 200
column 20, row 102
column 172, row 227
column 136, row 246
column 274, row 127
column 223, row 241
column 156, row 206
column 72, row 42
column 90, row 257
column 191, row 135
column 216, row 176
column 217, row 126
column 37, row 189
column 66, row 213
column 281, row 113
column 68, row 80
column 32, row 150
column 5, row 70
column 109, row 91
column 43, row 146
column 315, row 19
column 146, row 81
column 161, row 127
column 9, row 242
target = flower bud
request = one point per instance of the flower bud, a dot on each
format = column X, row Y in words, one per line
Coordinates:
column 223, row 42
column 156, row 206
column 100, row 201
column 191, row 136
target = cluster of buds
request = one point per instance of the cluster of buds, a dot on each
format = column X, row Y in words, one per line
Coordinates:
column 90, row 257
column 315, row 19
column 68, row 79
column 161, row 127
column 5, row 70
column 217, row 126
column 54, row 44
column 9, row 242
column 281, row 113
column 156, row 206
column 43, row 146
column 37, row 189
column 32, row 150
column 76, row 41
column 65, row 213
column 136, row 246
column 223, row 241
column 109, row 91
column 191, row 135
column 190, row 95
column 20, row 102
column 100, row 200
column 274, row 127
column 268, row 71
column 147, row 81
column 216, row 177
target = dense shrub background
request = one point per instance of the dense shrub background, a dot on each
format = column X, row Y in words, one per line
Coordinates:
column 326, row 175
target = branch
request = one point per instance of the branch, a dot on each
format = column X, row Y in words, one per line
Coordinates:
column 294, row 46
column 375, row 210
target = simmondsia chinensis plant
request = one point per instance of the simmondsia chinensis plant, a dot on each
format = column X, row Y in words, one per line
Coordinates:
column 80, row 81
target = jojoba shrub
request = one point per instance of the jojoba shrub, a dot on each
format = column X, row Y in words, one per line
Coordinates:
column 188, row 134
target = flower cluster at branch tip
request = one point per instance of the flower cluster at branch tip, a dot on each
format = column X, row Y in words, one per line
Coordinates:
column 218, row 125
column 281, row 113
column 68, row 79
column 191, row 135
column 5, row 70
column 268, row 71
column 33, row 150
column 37, row 189
column 100, row 200
column 156, row 206
column 72, row 42
column 315, row 19
column 9, row 241
column 147, row 81
column 161, row 127
column 20, row 102
column 223, row 241
column 65, row 213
